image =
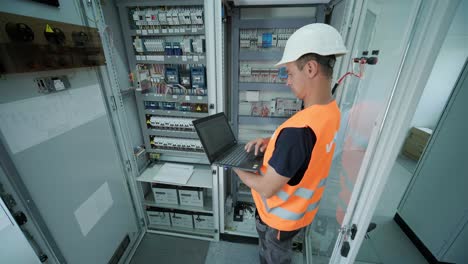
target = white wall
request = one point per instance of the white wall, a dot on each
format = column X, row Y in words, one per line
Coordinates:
column 446, row 69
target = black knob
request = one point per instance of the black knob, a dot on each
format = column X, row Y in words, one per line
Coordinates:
column 20, row 218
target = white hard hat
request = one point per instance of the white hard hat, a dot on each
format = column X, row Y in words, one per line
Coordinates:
column 318, row 38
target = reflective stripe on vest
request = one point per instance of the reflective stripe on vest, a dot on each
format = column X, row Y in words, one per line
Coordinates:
column 288, row 215
column 301, row 192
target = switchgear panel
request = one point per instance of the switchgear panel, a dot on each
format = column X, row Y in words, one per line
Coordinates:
column 29, row 44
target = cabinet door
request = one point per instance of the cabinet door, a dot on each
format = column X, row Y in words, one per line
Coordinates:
column 14, row 248
column 64, row 156
column 436, row 202
column 60, row 152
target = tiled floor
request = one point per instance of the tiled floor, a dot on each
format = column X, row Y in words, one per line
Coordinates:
column 398, row 180
column 167, row 249
column 172, row 250
column 236, row 253
column 391, row 245
column 232, row 253
column 387, row 241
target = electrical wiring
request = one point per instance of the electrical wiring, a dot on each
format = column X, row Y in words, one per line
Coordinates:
column 359, row 75
column 171, row 87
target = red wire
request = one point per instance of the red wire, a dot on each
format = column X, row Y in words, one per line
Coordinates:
column 361, row 64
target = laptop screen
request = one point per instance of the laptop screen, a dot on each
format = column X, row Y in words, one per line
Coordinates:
column 215, row 135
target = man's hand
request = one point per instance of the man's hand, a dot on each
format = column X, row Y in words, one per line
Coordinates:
column 267, row 185
column 258, row 144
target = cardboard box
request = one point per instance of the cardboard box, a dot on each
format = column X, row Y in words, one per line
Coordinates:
column 421, row 132
column 416, row 142
column 412, row 150
column 181, row 219
column 203, row 221
column 158, row 216
column 191, row 196
column 165, row 194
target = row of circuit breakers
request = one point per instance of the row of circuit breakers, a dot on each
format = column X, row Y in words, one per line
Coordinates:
column 168, row 16
column 264, row 38
column 183, row 107
column 170, row 123
column 173, row 124
column 179, row 144
column 187, row 45
column 261, row 72
column 173, row 79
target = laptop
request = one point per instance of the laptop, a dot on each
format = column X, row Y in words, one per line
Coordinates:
column 221, row 145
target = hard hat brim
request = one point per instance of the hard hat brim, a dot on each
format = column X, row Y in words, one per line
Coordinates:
column 283, row 61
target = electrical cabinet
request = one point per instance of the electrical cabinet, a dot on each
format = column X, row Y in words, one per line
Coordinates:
column 440, row 181
column 166, row 44
column 259, row 97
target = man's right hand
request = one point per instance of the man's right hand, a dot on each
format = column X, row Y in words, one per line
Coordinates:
column 258, row 144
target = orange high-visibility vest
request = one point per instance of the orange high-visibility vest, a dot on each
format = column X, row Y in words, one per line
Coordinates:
column 294, row 207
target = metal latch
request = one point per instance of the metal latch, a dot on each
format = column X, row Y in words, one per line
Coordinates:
column 347, row 232
column 345, row 249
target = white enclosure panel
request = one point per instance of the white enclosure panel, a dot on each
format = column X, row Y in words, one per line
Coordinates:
column 31, row 121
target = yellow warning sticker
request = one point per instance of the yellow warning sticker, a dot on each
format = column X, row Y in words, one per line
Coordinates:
column 48, row 29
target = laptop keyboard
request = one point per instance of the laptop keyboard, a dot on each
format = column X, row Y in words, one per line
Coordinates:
column 236, row 157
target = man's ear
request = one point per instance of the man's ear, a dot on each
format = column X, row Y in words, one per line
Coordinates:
column 312, row 68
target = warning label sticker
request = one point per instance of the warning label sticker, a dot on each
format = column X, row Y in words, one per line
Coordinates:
column 48, row 29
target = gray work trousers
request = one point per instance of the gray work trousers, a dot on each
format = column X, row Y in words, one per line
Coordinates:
column 275, row 247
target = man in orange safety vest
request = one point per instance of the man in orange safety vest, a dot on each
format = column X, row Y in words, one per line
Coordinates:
column 298, row 157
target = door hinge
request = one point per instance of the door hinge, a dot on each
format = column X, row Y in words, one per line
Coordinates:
column 347, row 230
column 113, row 103
column 343, row 230
column 121, row 101
column 128, row 165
